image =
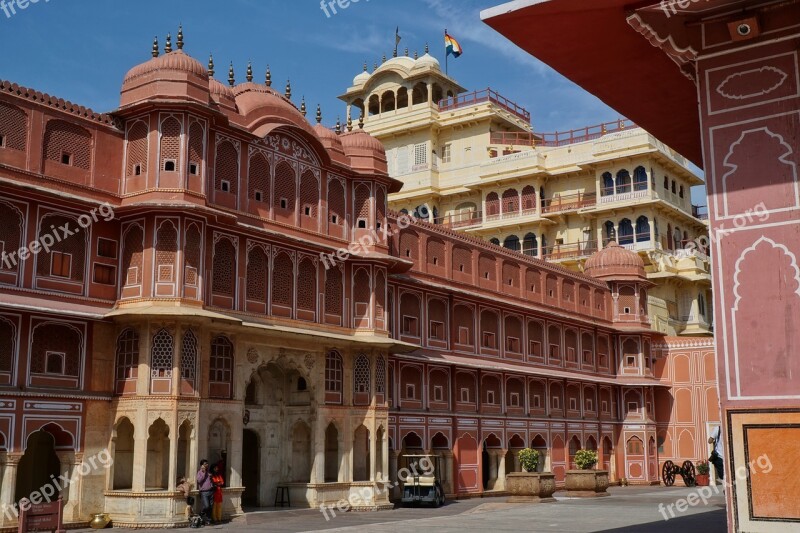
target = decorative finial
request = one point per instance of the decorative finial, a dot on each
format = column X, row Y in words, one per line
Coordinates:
column 288, row 92
column 168, row 45
column 384, row 59
column 303, row 106
column 180, row 37
column 349, row 123
column 231, row 77
column 406, row 51
column 365, row 66
column 361, row 122
column 155, row 46
column 416, row 54
column 319, row 114
column 394, row 53
column 249, row 71
column 338, row 126
column 426, row 48
column 211, row 65
column 374, row 67
column 268, row 79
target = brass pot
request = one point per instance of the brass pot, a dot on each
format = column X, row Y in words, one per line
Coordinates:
column 100, row 521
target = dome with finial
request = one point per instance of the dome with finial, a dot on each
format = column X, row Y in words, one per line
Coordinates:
column 362, row 78
column 328, row 138
column 614, row 262
column 172, row 75
column 428, row 60
column 366, row 153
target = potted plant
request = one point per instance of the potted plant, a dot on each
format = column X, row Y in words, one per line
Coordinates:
column 702, row 476
column 586, row 482
column 530, row 485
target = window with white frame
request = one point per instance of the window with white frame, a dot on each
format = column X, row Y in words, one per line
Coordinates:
column 447, row 151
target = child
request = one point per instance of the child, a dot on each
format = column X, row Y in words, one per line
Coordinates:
column 219, row 482
column 185, row 487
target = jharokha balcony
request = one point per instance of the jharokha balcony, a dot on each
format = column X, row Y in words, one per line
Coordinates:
column 559, row 138
column 484, row 96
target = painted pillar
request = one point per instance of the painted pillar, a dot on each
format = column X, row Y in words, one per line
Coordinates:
column 500, row 484
column 140, row 450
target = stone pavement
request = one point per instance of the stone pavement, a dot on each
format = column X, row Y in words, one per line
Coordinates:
column 628, row 509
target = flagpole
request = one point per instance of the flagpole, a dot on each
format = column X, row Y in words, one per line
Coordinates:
column 446, row 55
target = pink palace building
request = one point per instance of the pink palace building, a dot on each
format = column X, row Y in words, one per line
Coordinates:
column 174, row 286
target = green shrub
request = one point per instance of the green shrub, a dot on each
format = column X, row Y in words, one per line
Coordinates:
column 586, row 459
column 529, row 459
column 702, row 468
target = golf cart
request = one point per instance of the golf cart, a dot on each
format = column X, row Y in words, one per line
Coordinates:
column 422, row 485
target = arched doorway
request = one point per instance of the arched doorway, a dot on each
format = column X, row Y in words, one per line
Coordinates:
column 251, row 457
column 37, row 465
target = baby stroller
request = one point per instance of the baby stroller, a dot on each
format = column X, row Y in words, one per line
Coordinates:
column 195, row 520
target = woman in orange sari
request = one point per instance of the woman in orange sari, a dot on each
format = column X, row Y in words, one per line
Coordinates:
column 219, row 482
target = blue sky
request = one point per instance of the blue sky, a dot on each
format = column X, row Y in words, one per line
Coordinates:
column 79, row 50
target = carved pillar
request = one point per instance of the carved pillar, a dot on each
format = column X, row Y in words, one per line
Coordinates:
column 140, row 451
column 8, row 487
column 500, row 484
column 492, row 470
column 70, row 492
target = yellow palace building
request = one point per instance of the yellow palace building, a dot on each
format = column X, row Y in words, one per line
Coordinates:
column 472, row 162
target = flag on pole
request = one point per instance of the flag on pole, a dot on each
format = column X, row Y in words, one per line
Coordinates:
column 397, row 36
column 452, row 46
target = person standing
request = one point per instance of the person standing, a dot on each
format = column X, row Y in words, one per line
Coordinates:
column 219, row 481
column 205, row 485
column 717, row 453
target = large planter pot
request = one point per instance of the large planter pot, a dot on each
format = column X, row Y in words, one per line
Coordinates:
column 587, row 483
column 531, row 487
column 703, row 480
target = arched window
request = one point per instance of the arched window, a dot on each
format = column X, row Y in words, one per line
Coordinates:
column 137, row 149
column 226, row 168
column 510, row 202
column 642, row 229
column 333, row 377
column 166, row 252
column 623, row 182
column 640, row 179
column 161, row 353
column 336, row 202
column 492, row 205
column 67, row 144
column 171, row 131
column 361, row 372
column 610, row 231
column 680, row 191
column 307, row 285
column 333, row 292
column 608, row 185
column 189, row 358
column 127, row 361
column 221, row 368
column 258, row 181
column 66, row 258
column 257, row 275
column 512, row 243
column 529, row 198
column 224, row 273
column 676, row 239
column 530, row 245
column 10, row 232
column 380, row 375
column 625, row 232
column 285, row 189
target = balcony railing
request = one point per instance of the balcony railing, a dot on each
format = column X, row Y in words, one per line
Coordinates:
column 569, row 202
column 461, row 220
column 479, row 97
column 560, row 138
column 623, row 193
column 570, row 250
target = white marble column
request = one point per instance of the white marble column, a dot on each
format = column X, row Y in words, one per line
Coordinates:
column 140, row 451
column 500, row 484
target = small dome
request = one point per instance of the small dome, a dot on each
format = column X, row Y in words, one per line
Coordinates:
column 361, row 140
column 329, row 139
column 250, row 87
column 615, row 262
column 176, row 61
column 366, row 153
column 222, row 94
column 361, row 79
column 427, row 60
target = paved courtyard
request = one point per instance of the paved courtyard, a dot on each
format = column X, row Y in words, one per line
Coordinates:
column 628, row 509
